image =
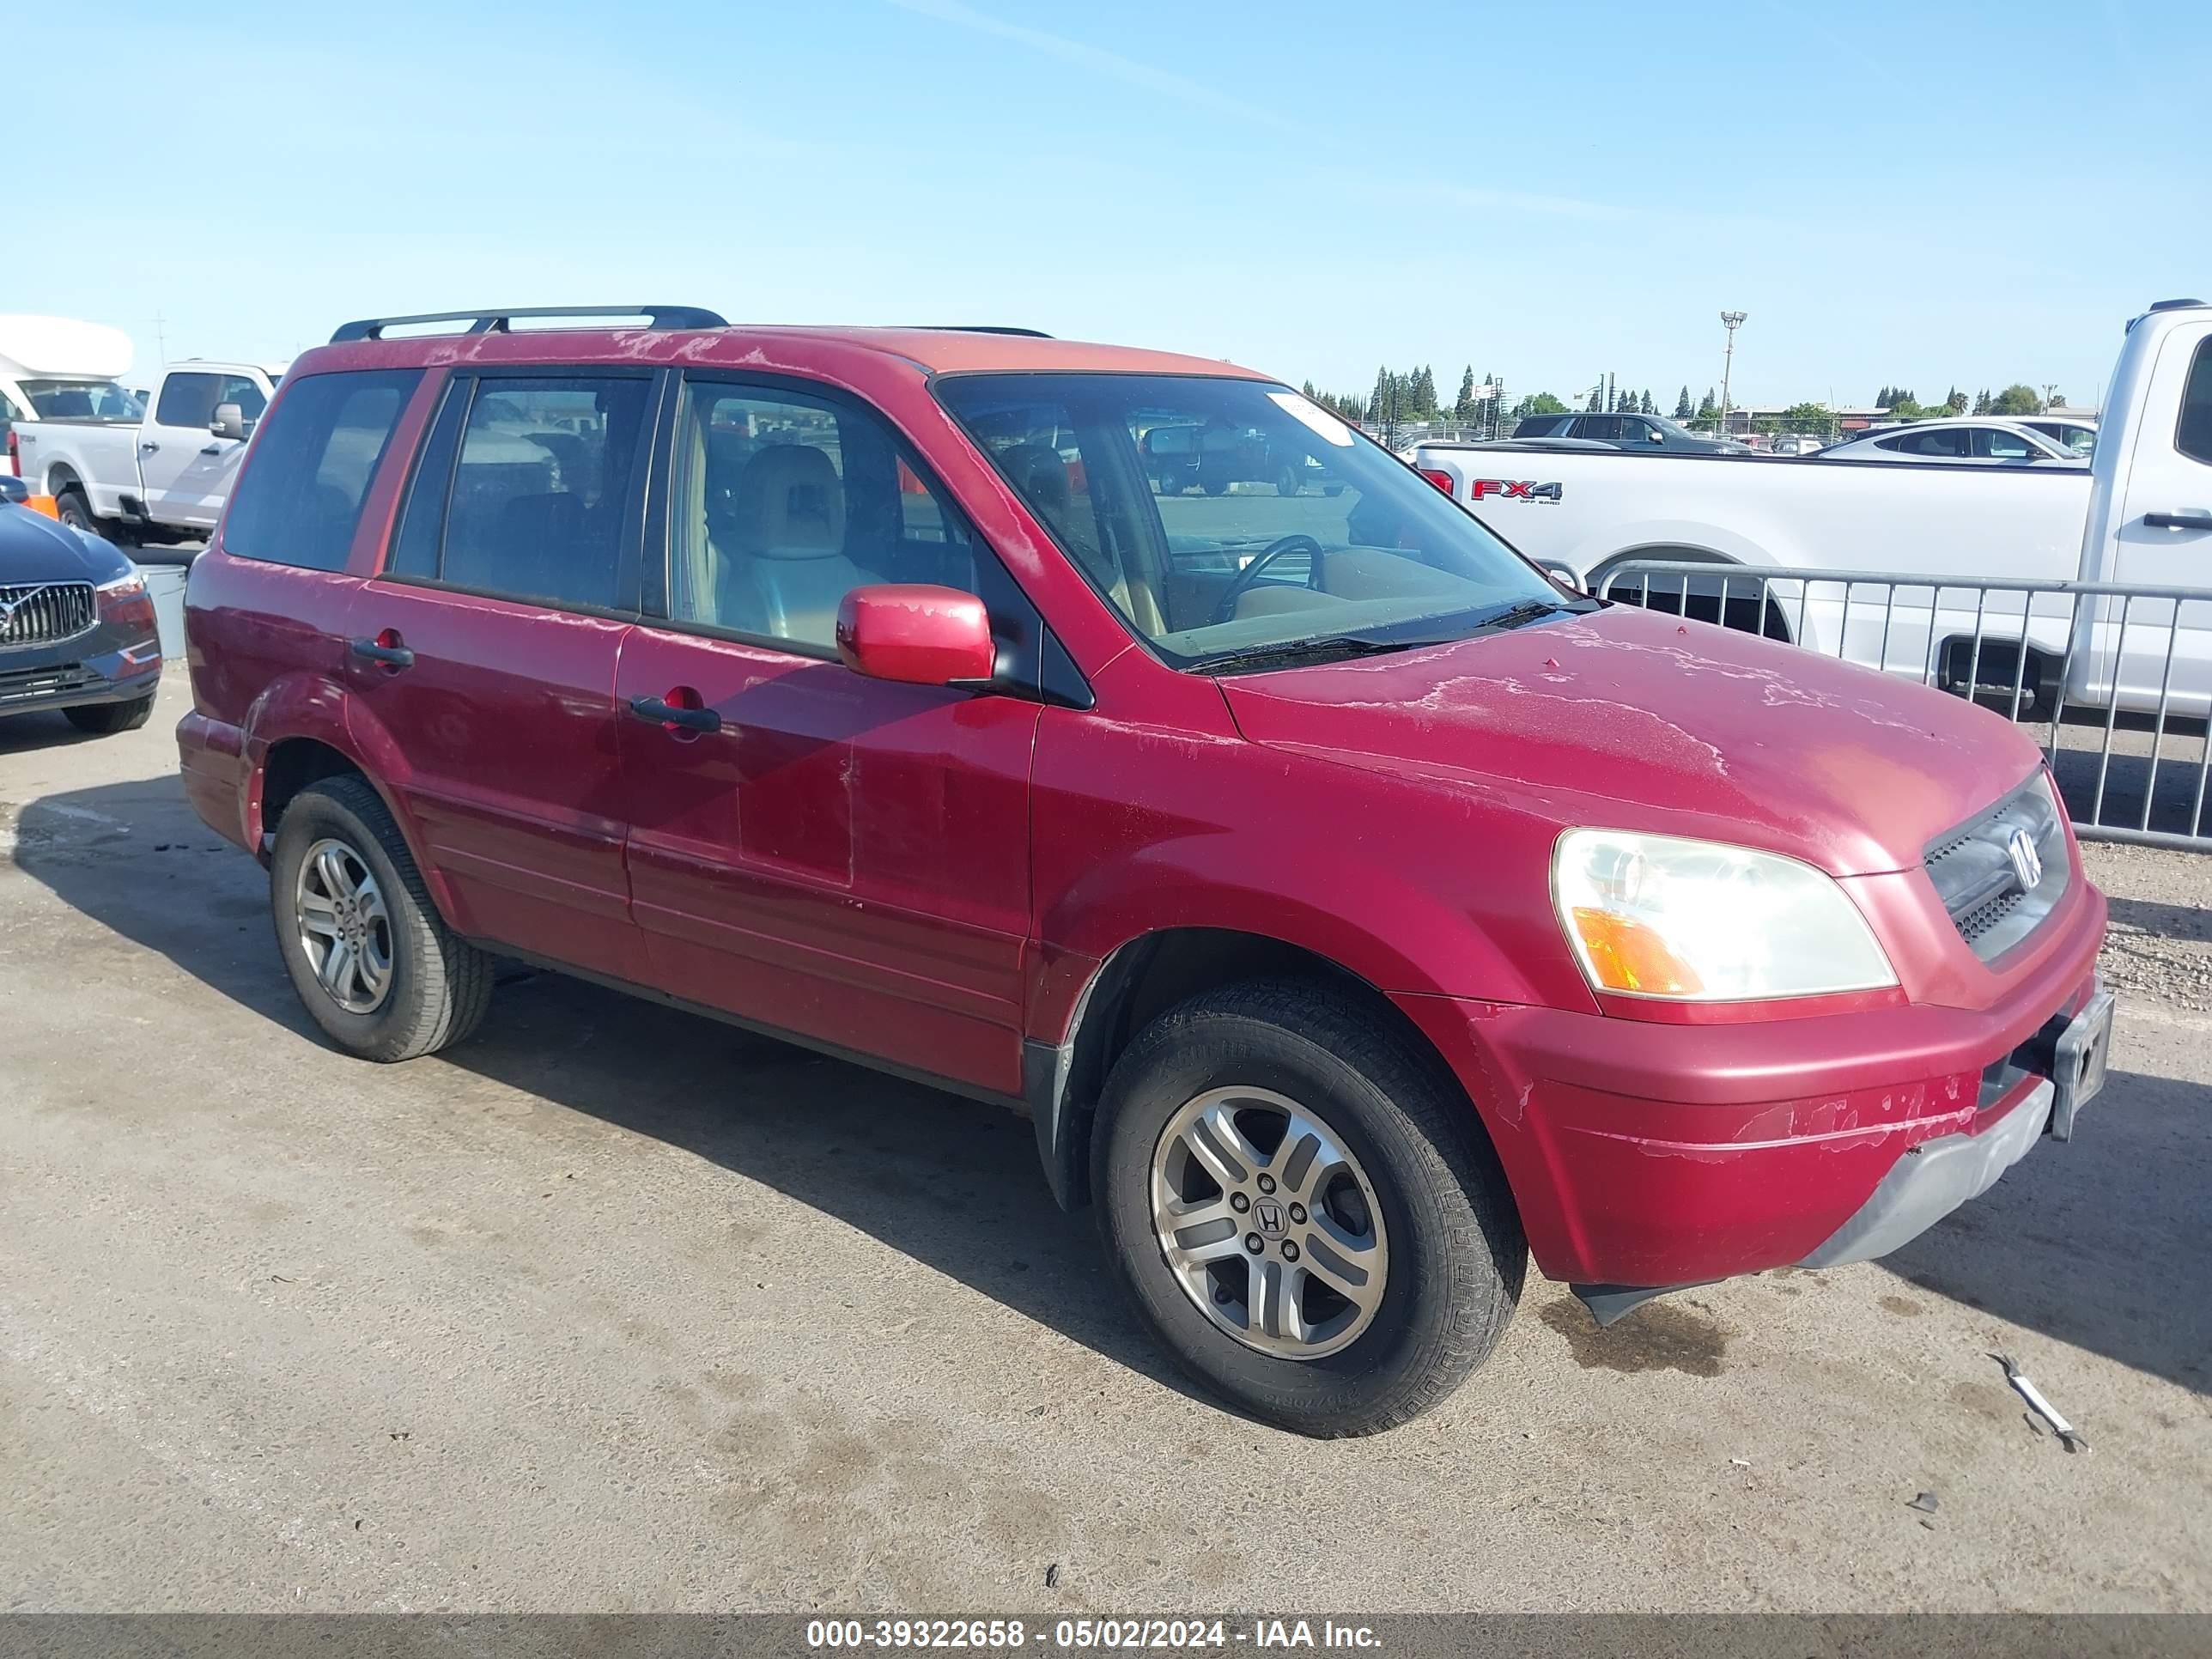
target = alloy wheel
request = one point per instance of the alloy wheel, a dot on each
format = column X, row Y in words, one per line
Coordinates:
column 343, row 926
column 1268, row 1222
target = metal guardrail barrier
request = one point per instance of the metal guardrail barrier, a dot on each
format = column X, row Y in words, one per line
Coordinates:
column 2094, row 662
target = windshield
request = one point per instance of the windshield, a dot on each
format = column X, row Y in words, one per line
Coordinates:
column 1226, row 521
column 82, row 400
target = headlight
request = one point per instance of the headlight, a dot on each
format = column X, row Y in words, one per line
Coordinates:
column 1702, row 922
column 122, row 587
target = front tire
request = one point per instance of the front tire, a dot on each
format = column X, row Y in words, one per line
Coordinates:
column 1276, row 1113
column 105, row 719
column 370, row 957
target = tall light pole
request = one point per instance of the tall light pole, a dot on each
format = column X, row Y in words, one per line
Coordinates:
column 1730, row 320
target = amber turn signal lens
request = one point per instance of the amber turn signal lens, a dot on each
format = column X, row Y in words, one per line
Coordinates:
column 1627, row 955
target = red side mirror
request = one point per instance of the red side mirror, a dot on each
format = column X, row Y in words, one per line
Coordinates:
column 916, row 635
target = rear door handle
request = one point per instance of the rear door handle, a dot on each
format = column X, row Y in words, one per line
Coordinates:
column 212, row 449
column 2179, row 520
column 658, row 711
column 384, row 648
column 148, row 448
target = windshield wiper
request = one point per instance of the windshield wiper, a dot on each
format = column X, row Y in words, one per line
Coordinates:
column 1518, row 616
column 1291, row 651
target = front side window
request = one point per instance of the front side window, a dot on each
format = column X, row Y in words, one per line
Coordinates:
column 784, row 502
column 188, row 399
column 300, row 495
column 536, row 503
column 1999, row 445
column 1307, row 539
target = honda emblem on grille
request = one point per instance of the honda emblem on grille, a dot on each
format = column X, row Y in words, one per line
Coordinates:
column 2026, row 862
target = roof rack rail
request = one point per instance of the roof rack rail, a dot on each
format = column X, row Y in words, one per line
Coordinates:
column 981, row 328
column 495, row 322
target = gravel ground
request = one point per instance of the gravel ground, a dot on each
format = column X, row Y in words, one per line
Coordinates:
column 615, row 1309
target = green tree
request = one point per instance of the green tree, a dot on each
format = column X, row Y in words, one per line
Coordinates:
column 1682, row 410
column 1982, row 402
column 1382, row 406
column 1647, row 407
column 1542, row 404
column 1464, row 406
column 1807, row 417
column 2017, row 399
column 1423, row 399
column 1956, row 403
column 1596, row 405
column 1710, row 409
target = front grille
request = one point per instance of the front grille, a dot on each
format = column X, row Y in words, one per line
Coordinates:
column 44, row 613
column 1974, row 874
column 28, row 684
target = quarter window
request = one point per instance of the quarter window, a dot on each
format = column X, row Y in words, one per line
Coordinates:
column 784, row 502
column 300, row 495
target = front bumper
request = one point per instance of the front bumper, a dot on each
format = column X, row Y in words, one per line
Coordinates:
column 55, row 681
column 1645, row 1154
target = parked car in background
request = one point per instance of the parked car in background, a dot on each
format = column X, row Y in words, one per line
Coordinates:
column 76, row 624
column 2141, row 513
column 1797, row 443
column 1352, row 911
column 1650, row 432
column 160, row 474
column 1178, row 456
column 59, row 368
column 1969, row 440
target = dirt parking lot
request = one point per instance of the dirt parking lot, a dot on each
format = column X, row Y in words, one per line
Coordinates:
column 617, row 1309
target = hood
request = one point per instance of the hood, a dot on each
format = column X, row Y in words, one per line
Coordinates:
column 34, row 548
column 1635, row 719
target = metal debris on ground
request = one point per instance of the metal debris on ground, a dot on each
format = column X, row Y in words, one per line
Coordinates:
column 1925, row 1502
column 2067, row 1436
column 1052, row 1576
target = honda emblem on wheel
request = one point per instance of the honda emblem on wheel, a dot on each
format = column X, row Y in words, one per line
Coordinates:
column 1268, row 1216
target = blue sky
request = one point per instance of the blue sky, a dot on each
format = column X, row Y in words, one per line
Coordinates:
column 1962, row 193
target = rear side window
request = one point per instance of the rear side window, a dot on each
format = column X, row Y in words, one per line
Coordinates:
column 300, row 495
column 532, row 493
column 2193, row 437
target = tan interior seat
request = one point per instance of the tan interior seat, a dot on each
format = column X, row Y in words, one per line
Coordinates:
column 1042, row 477
column 784, row 571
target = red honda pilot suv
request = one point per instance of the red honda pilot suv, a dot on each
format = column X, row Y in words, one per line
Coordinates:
column 1355, row 911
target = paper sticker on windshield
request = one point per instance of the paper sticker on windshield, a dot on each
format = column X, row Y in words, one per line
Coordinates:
column 1313, row 416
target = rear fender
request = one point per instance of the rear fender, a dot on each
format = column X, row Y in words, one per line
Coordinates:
column 319, row 708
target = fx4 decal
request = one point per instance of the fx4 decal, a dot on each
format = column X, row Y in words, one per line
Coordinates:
column 1514, row 489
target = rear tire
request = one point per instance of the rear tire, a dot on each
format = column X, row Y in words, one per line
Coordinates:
column 105, row 719
column 73, row 509
column 1442, row 1229
column 432, row 986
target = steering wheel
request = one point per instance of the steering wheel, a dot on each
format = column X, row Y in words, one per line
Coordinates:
column 1242, row 583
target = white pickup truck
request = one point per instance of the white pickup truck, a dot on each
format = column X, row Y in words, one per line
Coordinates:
column 162, row 478
column 2140, row 514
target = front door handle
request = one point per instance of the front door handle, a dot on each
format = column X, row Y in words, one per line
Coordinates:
column 148, row 447
column 212, row 449
column 2197, row 521
column 384, row 648
column 658, row 711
